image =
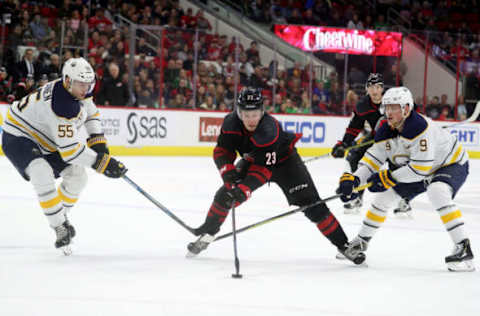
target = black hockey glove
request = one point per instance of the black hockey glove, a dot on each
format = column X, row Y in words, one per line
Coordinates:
column 109, row 166
column 239, row 194
column 381, row 181
column 229, row 174
column 98, row 143
column 347, row 183
column 338, row 151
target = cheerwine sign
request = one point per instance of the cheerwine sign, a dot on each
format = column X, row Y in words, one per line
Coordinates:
column 346, row 41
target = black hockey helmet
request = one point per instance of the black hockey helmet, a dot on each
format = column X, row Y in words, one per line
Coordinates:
column 374, row 78
column 250, row 99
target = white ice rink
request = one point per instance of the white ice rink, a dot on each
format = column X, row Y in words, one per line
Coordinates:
column 129, row 257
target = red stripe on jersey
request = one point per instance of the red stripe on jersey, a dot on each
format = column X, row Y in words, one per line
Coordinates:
column 331, row 229
column 259, row 177
column 324, row 224
column 270, row 143
column 218, row 210
column 261, row 170
column 246, row 190
column 232, row 132
column 353, row 131
column 220, row 151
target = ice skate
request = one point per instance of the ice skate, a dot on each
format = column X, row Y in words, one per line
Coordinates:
column 353, row 206
column 63, row 238
column 357, row 245
column 70, row 227
column 404, row 210
column 194, row 248
column 461, row 259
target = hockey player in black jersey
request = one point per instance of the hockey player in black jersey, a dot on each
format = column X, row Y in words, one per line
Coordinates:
column 269, row 155
column 366, row 110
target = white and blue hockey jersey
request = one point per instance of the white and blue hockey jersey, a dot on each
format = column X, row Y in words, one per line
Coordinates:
column 52, row 118
column 416, row 152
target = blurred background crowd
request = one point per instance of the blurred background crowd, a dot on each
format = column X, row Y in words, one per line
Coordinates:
column 38, row 36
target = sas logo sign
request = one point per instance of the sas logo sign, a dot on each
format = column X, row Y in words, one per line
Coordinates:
column 467, row 136
column 313, row 132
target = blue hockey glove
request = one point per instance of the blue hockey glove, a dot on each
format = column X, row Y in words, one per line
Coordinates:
column 347, row 182
column 381, row 181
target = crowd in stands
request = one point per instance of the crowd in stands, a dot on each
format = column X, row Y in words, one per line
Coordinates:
column 34, row 30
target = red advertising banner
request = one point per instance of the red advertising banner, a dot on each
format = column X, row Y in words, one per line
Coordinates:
column 345, row 41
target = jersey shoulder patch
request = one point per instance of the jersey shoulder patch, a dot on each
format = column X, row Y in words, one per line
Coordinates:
column 63, row 103
column 414, row 125
column 267, row 132
column 365, row 106
column 384, row 132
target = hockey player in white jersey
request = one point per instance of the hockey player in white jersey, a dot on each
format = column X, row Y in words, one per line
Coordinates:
column 423, row 158
column 41, row 139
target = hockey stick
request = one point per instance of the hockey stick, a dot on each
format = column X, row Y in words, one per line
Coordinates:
column 158, row 204
column 472, row 118
column 237, row 274
column 297, row 210
column 348, row 148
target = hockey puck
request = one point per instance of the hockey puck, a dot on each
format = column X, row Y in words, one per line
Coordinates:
column 237, row 276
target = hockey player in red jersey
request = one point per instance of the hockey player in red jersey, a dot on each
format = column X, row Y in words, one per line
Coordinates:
column 269, row 155
column 367, row 110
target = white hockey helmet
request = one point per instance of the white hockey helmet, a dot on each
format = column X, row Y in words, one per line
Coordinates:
column 78, row 70
column 397, row 95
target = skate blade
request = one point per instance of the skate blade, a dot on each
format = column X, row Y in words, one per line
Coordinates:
column 404, row 215
column 462, row 266
column 67, row 250
column 190, row 255
column 340, row 256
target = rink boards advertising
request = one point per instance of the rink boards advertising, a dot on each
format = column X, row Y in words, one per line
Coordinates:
column 194, row 133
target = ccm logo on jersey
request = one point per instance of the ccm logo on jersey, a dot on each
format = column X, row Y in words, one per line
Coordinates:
column 313, row 132
column 467, row 136
column 298, row 188
column 146, row 127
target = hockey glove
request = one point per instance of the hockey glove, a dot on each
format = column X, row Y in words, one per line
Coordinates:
column 381, row 181
column 338, row 151
column 98, row 143
column 239, row 194
column 229, row 174
column 347, row 183
column 109, row 166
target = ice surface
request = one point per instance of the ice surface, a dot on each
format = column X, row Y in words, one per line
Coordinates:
column 129, row 257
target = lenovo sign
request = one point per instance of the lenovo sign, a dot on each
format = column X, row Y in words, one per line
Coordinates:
column 209, row 128
column 346, row 41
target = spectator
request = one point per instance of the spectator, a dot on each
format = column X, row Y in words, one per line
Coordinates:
column 54, row 66
column 209, row 104
column 39, row 27
column 461, row 109
column 202, row 22
column 112, row 89
column 25, row 66
column 433, row 109
column 355, row 23
column 5, row 84
column 144, row 100
column 99, row 21
column 252, row 51
column 178, row 102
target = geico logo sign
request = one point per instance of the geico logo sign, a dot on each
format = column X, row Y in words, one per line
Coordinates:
column 145, row 127
column 209, row 128
column 313, row 132
column 466, row 135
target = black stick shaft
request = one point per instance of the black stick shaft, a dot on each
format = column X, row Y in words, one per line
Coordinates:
column 158, row 204
column 234, row 232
